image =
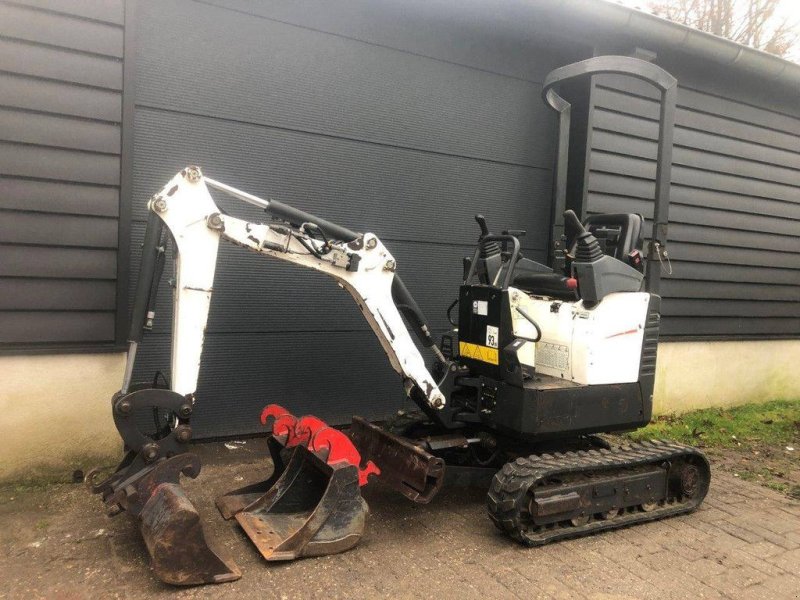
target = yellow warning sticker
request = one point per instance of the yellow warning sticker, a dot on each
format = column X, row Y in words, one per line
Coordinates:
column 481, row 353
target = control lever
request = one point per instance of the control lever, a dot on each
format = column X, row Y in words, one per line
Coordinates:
column 490, row 254
column 481, row 220
column 572, row 220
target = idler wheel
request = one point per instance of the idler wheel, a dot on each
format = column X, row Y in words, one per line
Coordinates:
column 690, row 480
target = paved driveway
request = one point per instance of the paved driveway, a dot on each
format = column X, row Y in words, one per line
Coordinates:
column 743, row 543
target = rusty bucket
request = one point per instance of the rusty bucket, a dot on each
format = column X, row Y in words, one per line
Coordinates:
column 169, row 522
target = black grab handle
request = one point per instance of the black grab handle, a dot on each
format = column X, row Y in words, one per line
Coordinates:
column 512, row 262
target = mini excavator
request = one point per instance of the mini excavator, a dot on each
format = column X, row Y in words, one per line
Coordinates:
column 542, row 358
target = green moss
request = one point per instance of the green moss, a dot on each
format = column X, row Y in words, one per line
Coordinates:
column 42, row 525
column 61, row 471
column 774, row 423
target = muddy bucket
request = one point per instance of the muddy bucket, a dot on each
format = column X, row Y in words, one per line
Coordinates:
column 313, row 508
column 170, row 524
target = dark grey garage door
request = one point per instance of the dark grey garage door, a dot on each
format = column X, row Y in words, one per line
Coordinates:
column 401, row 118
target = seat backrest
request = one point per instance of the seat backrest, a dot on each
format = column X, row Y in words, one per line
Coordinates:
column 618, row 234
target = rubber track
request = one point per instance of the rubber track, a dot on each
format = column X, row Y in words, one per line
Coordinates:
column 507, row 499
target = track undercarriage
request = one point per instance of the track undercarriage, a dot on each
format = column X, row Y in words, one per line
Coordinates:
column 545, row 492
column 549, row 497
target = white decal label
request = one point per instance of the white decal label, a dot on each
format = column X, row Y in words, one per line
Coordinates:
column 492, row 335
column 554, row 356
column 480, row 307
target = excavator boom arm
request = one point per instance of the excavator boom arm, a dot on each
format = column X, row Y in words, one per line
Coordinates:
column 362, row 265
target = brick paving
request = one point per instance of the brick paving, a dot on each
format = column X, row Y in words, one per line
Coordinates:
column 743, row 543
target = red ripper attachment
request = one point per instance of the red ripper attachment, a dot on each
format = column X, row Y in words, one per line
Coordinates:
column 337, row 448
column 311, row 504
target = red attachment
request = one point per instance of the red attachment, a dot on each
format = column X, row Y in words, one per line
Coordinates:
column 272, row 410
column 315, row 433
column 340, row 448
column 572, row 283
column 284, row 425
column 307, row 427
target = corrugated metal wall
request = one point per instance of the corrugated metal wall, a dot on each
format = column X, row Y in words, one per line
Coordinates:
column 60, row 114
column 401, row 118
column 735, row 213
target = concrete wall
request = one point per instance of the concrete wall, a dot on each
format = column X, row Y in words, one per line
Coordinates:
column 691, row 375
column 56, row 414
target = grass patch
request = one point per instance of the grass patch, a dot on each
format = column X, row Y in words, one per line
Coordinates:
column 756, row 442
column 773, row 423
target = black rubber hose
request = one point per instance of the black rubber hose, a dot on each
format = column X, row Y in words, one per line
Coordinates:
column 402, row 297
column 298, row 217
column 450, row 310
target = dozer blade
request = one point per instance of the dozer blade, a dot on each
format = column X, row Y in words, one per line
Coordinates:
column 404, row 467
column 170, row 524
column 312, row 509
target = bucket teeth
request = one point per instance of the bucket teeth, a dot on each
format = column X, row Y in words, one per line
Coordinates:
column 311, row 504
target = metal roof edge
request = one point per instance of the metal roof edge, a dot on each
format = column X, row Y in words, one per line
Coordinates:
column 617, row 18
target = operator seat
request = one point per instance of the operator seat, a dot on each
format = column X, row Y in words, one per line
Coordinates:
column 620, row 236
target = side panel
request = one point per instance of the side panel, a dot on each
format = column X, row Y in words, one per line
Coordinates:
column 591, row 347
column 60, row 143
column 607, row 340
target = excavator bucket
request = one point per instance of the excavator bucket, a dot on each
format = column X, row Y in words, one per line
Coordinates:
column 312, row 509
column 311, row 505
column 237, row 500
column 170, row 524
column 173, row 534
column 280, row 444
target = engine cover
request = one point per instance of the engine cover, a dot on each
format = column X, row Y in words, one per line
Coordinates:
column 601, row 345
